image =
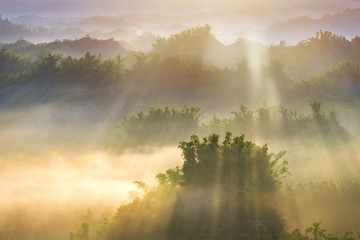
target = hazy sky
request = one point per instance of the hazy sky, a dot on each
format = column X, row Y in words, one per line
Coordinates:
column 113, row 7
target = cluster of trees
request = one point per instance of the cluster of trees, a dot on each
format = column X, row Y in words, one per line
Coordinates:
column 159, row 126
column 224, row 190
column 168, row 126
column 89, row 69
column 229, row 189
column 342, row 79
column 281, row 123
column 13, row 68
column 189, row 41
column 316, row 54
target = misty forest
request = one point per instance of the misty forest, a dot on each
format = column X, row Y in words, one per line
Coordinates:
column 190, row 120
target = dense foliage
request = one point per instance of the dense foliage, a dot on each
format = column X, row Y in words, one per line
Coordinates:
column 224, row 190
column 316, row 54
column 161, row 126
column 340, row 79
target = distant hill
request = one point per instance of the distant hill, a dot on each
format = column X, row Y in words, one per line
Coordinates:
column 40, row 29
column 77, row 48
column 345, row 23
column 10, row 32
column 202, row 42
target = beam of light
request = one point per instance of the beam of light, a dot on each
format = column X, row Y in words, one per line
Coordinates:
column 256, row 60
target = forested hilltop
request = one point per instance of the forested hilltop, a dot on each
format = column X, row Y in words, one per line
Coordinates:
column 301, row 60
column 180, row 70
column 186, row 64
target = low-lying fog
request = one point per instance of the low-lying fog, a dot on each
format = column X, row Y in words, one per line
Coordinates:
column 40, row 190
